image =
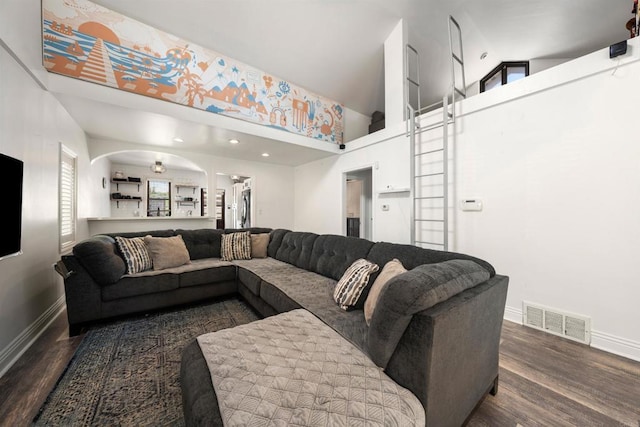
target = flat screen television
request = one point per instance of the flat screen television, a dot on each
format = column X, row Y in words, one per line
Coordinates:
column 11, row 174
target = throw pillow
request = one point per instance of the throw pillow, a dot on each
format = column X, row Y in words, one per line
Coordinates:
column 389, row 271
column 259, row 244
column 167, row 252
column 353, row 282
column 236, row 246
column 135, row 254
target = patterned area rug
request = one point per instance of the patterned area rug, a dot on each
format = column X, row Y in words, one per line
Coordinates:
column 126, row 373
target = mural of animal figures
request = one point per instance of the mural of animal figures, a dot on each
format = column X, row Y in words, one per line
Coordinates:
column 300, row 112
column 327, row 127
column 273, row 117
column 311, row 117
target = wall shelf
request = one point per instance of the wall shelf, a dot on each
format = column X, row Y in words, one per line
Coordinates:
column 117, row 183
column 125, row 200
column 394, row 190
column 179, row 186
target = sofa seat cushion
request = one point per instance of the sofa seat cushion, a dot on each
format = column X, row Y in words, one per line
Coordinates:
column 250, row 279
column 286, row 287
column 134, row 285
column 250, row 272
column 199, row 264
column 221, row 271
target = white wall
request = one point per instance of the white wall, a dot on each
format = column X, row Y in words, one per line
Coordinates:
column 556, row 161
column 32, row 125
column 320, row 189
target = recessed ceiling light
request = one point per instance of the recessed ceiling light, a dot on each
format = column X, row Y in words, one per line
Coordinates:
column 178, row 140
column 484, row 55
column 233, row 141
column 265, row 154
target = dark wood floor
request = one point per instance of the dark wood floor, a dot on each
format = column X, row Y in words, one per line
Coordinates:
column 544, row 381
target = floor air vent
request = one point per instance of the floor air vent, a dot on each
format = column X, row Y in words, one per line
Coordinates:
column 556, row 322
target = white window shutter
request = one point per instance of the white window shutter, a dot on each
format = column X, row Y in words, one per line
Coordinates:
column 67, row 202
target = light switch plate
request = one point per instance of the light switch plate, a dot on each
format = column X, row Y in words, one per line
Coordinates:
column 471, row 205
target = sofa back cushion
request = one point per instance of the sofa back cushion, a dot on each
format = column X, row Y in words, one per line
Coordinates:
column 275, row 240
column 333, row 254
column 154, row 233
column 99, row 256
column 296, row 248
column 252, row 230
column 203, row 243
column 413, row 256
column 409, row 293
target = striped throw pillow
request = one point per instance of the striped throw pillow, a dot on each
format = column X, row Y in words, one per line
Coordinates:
column 135, row 254
column 352, row 283
column 236, row 246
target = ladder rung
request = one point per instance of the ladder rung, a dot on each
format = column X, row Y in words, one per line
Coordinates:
column 409, row 79
column 429, row 220
column 461, row 92
column 429, row 152
column 429, row 174
column 457, row 59
column 430, row 243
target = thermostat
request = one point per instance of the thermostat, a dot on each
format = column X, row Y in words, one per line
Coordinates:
column 471, row 205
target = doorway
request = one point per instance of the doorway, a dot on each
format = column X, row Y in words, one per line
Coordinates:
column 237, row 206
column 358, row 203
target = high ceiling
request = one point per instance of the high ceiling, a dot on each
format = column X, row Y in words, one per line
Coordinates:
column 335, row 47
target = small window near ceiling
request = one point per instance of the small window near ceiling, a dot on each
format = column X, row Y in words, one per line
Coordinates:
column 158, row 198
column 503, row 74
column 67, row 199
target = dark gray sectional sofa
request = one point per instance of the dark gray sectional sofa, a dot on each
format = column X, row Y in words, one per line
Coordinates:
column 445, row 350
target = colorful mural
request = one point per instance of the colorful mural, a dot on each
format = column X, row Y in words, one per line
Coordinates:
column 86, row 41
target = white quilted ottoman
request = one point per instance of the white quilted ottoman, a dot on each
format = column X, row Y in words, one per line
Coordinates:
column 293, row 370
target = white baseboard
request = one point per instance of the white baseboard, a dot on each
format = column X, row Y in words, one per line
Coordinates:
column 11, row 353
column 616, row 345
column 600, row 340
column 513, row 315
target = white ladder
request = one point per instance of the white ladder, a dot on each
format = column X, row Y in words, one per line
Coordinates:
column 429, row 188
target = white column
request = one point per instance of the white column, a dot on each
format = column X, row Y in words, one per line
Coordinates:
column 394, row 53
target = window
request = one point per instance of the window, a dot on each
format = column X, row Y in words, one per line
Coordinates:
column 504, row 73
column 158, row 198
column 67, row 198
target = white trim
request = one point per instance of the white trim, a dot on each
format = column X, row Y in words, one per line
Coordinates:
column 11, row 353
column 599, row 340
column 616, row 345
column 513, row 315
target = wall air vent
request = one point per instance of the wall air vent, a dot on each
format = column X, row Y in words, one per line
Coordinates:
column 572, row 326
